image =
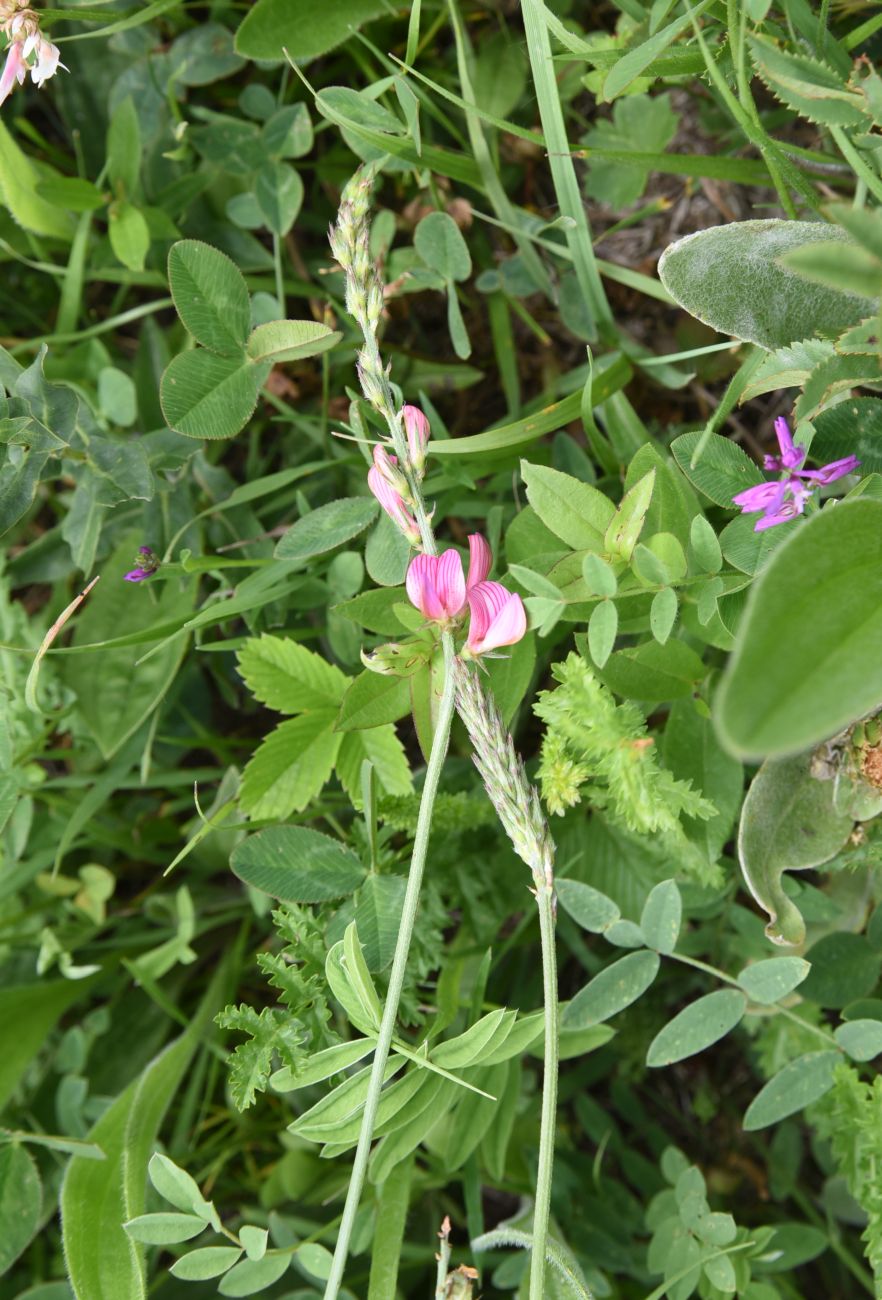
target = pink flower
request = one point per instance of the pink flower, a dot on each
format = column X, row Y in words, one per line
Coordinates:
column 14, row 70
column 498, row 618
column 436, row 584
column 416, row 429
column 384, row 481
column 791, row 456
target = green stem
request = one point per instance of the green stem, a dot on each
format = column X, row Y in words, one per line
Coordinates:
column 563, row 173
column 396, row 979
column 545, row 900
column 853, row 157
column 277, row 267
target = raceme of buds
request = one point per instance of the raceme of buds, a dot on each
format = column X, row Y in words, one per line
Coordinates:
column 416, row 430
column 383, row 480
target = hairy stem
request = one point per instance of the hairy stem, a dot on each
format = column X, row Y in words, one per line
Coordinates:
column 545, row 900
column 399, row 964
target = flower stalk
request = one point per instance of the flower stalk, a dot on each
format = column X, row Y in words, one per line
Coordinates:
column 364, row 299
column 396, row 979
column 438, row 587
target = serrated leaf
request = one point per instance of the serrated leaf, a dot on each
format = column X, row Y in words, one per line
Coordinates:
column 808, row 86
column 787, row 367
column 721, row 470
column 207, row 396
column 210, row 296
column 290, row 767
column 381, row 747
column 297, row 865
column 287, row 677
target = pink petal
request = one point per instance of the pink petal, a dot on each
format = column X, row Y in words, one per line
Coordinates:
column 416, row 428
column 13, row 70
column 498, row 617
column 829, row 473
column 763, row 496
column 421, row 586
column 480, row 560
column 451, row 583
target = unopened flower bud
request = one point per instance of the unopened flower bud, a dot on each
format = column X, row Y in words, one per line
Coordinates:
column 417, row 431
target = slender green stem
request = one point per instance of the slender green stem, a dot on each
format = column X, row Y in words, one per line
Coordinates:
column 545, row 900
column 277, row 267
column 853, row 156
column 489, row 173
column 563, row 173
column 396, row 979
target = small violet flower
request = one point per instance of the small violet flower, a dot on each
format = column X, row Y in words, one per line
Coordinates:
column 147, row 566
column 786, row 499
column 387, row 483
column 437, row 587
column 416, row 430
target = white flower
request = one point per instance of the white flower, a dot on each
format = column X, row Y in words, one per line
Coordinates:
column 47, row 61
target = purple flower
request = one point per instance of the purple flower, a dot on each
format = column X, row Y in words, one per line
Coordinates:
column 791, row 456
column 786, row 498
column 147, row 565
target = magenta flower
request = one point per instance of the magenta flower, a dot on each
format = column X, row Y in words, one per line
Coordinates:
column 786, row 498
column 438, row 588
column 791, row 456
column 436, row 585
column 416, row 430
column 498, row 618
column 147, row 566
column 386, row 483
